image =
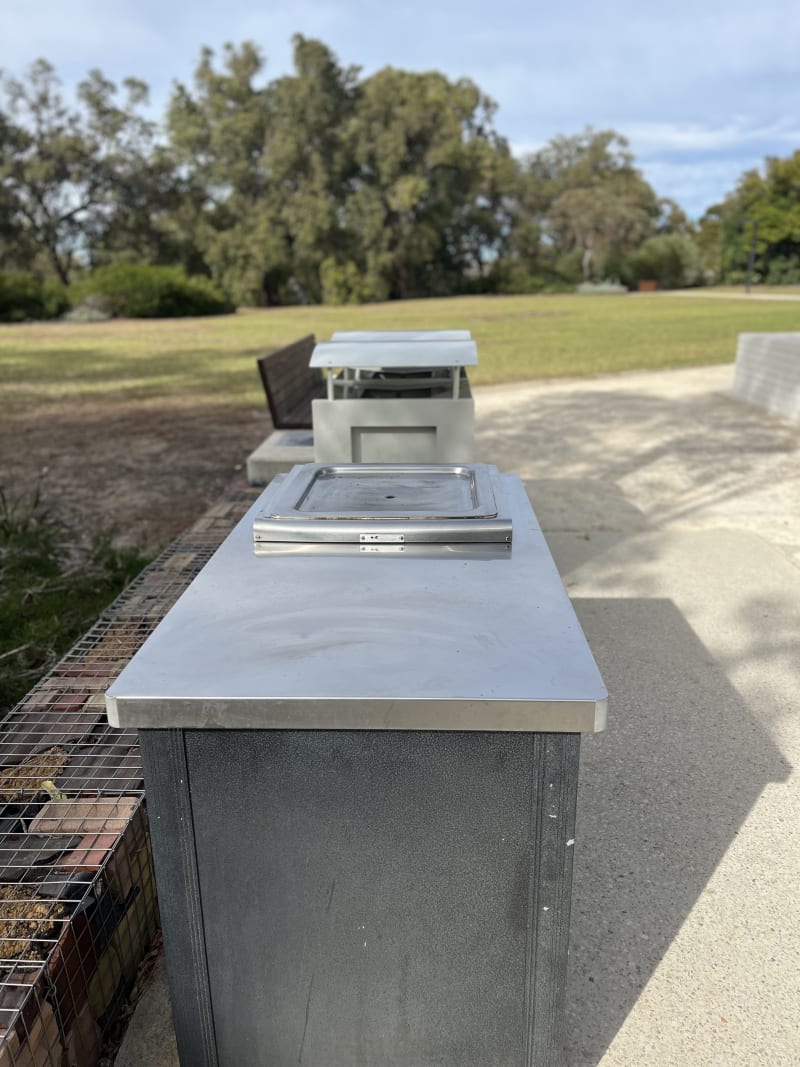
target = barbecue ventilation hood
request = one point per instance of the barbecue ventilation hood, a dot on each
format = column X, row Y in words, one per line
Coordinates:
column 383, row 504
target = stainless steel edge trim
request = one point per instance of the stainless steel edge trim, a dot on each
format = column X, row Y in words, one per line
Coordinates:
column 601, row 715
column 349, row 531
column 112, row 711
column 358, row 714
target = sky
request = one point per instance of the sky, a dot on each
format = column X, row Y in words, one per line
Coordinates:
column 703, row 90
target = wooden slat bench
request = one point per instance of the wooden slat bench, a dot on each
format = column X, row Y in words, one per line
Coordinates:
column 291, row 385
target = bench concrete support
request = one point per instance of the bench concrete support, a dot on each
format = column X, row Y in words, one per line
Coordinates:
column 278, row 454
column 767, row 372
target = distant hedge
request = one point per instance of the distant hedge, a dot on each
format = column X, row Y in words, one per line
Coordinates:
column 138, row 291
column 24, row 297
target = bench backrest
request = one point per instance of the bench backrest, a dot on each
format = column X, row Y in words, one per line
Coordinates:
column 290, row 384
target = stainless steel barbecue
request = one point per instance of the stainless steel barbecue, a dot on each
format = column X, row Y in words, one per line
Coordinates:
column 382, row 504
column 361, row 761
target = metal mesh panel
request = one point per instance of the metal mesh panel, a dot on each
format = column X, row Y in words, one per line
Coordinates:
column 78, row 905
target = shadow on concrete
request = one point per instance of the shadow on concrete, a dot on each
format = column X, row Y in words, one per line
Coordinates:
column 685, row 454
column 663, row 794
column 665, row 791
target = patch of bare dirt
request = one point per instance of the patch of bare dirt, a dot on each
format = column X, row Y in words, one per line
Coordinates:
column 148, row 468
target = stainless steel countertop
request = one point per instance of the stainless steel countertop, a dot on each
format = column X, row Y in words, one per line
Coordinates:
column 331, row 641
column 374, row 355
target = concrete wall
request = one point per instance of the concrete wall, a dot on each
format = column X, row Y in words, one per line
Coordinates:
column 767, row 372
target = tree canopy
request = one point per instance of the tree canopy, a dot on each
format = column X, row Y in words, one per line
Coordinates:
column 594, row 205
column 761, row 216
column 325, row 185
column 66, row 175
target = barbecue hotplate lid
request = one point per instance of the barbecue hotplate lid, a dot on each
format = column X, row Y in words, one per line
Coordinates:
column 398, row 351
column 389, row 503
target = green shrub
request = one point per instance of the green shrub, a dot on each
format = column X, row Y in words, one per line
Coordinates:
column 20, row 297
column 672, row 260
column 783, row 270
column 140, row 291
column 347, row 283
column 23, row 296
column 512, row 278
column 341, row 282
column 569, row 266
column 55, row 299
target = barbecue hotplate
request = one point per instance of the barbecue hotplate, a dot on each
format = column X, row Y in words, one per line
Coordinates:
column 383, row 503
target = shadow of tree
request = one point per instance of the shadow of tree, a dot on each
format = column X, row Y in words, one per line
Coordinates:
column 623, row 456
column 663, row 794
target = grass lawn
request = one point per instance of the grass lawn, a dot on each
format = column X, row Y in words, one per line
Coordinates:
column 519, row 337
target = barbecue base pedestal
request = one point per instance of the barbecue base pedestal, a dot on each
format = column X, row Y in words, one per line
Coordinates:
column 342, row 898
column 394, row 430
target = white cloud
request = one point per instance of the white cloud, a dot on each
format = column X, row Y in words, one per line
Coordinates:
column 649, row 138
column 696, row 185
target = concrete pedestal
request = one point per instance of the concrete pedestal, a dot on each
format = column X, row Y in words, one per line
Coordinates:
column 394, row 430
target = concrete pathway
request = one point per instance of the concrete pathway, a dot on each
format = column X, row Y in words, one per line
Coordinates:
column 732, row 294
column 673, row 513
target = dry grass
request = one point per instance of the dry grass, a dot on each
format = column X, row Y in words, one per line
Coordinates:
column 27, row 777
column 24, row 923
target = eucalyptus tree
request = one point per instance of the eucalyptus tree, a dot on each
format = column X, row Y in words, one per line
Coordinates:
column 265, row 167
column 136, row 218
column 62, row 164
column 308, row 160
column 427, row 201
column 15, row 251
column 217, row 131
column 591, row 203
column 759, row 219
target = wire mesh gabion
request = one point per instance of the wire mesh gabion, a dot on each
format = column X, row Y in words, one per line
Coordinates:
column 78, row 905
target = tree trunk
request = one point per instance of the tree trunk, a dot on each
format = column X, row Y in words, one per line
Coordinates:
column 586, row 261
column 60, row 266
column 269, row 292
